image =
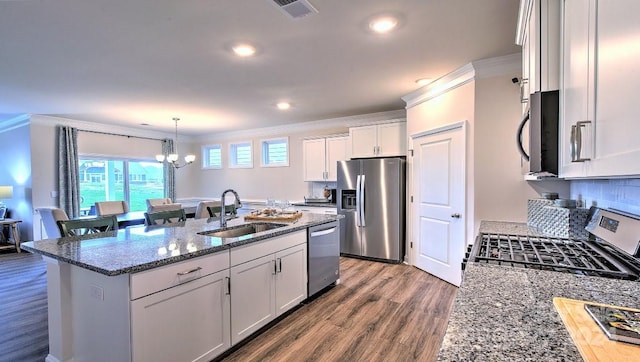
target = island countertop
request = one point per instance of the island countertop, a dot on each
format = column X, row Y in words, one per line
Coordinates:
column 507, row 314
column 139, row 248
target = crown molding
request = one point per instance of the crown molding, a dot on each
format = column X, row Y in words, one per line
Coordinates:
column 102, row 127
column 319, row 125
column 469, row 72
column 13, row 123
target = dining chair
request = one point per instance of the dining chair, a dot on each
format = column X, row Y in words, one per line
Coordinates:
column 157, row 202
column 164, row 217
column 104, row 208
column 50, row 217
column 164, row 207
column 214, row 211
column 78, row 227
column 201, row 208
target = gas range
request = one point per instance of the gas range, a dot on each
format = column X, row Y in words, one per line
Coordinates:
column 612, row 251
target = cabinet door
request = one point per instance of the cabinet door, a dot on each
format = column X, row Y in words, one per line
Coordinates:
column 253, row 296
column 291, row 279
column 392, row 139
column 314, row 159
column 337, row 150
column 198, row 316
column 577, row 80
column 617, row 150
column 363, row 141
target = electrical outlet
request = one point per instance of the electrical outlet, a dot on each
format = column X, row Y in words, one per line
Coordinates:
column 96, row 292
column 54, row 194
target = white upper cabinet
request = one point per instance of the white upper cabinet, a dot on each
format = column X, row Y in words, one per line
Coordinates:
column 539, row 35
column 381, row 140
column 599, row 76
column 321, row 157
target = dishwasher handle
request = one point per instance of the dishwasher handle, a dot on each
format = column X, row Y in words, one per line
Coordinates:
column 323, row 231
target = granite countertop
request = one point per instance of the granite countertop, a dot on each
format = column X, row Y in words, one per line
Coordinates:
column 505, row 314
column 139, row 248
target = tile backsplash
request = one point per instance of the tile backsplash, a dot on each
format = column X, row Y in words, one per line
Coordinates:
column 621, row 194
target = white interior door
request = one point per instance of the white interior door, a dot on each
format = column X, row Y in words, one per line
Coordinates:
column 439, row 202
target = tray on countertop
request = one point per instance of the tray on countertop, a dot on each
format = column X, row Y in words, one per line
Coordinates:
column 591, row 341
column 281, row 216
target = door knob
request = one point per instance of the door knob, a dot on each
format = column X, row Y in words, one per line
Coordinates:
column 456, row 216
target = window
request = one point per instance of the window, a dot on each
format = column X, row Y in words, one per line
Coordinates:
column 106, row 179
column 275, row 152
column 212, row 156
column 240, row 155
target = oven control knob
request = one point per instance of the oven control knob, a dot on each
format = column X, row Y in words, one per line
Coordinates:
column 456, row 216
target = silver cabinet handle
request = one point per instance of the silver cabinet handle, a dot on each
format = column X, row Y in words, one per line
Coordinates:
column 228, row 286
column 456, row 216
column 578, row 141
column 275, row 267
column 279, row 265
column 189, row 271
column 572, row 144
column 523, row 99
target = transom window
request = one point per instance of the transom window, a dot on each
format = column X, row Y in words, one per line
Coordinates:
column 241, row 155
column 275, row 152
column 212, row 156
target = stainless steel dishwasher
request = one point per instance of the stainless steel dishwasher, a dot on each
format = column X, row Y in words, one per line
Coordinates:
column 324, row 256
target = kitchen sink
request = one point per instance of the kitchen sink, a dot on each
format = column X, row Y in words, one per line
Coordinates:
column 241, row 230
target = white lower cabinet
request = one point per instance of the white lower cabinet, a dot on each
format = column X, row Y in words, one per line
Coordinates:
column 189, row 322
column 265, row 286
column 192, row 310
column 253, row 289
column 291, row 277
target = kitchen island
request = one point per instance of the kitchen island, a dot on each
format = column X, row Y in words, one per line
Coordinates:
column 503, row 313
column 164, row 293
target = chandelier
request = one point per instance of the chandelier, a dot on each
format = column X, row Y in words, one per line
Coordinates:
column 172, row 158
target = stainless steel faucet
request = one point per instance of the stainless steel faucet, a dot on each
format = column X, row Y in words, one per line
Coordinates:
column 223, row 211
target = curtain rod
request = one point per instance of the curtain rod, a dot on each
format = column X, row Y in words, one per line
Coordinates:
column 121, row 135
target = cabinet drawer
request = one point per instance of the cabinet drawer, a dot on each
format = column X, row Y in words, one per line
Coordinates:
column 259, row 249
column 155, row 280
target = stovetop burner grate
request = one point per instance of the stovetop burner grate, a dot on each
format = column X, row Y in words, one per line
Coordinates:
column 549, row 253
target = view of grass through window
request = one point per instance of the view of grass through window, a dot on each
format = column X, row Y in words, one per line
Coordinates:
column 104, row 180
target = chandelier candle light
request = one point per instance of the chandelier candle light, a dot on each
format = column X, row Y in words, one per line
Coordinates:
column 173, row 157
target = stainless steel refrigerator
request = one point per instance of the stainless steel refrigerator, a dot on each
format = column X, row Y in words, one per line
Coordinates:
column 371, row 196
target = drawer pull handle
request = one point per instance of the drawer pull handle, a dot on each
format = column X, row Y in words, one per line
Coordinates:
column 189, row 271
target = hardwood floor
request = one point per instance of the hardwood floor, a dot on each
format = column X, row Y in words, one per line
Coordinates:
column 379, row 312
column 23, row 308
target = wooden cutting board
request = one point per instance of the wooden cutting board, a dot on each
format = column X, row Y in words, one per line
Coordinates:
column 285, row 216
column 591, row 341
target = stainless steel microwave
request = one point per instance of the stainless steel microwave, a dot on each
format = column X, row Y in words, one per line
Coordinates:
column 542, row 115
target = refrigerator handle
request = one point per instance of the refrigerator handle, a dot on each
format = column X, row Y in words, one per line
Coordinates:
column 358, row 200
column 361, row 201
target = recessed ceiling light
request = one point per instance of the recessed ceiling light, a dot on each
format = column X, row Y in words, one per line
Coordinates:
column 423, row 81
column 283, row 105
column 383, row 24
column 244, row 50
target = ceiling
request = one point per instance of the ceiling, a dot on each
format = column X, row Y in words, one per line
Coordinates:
column 129, row 62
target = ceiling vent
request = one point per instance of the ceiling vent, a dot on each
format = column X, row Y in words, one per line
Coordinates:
column 296, row 9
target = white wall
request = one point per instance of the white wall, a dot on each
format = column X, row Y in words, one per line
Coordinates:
column 490, row 103
column 447, row 108
column 501, row 191
column 15, row 170
column 259, row 183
